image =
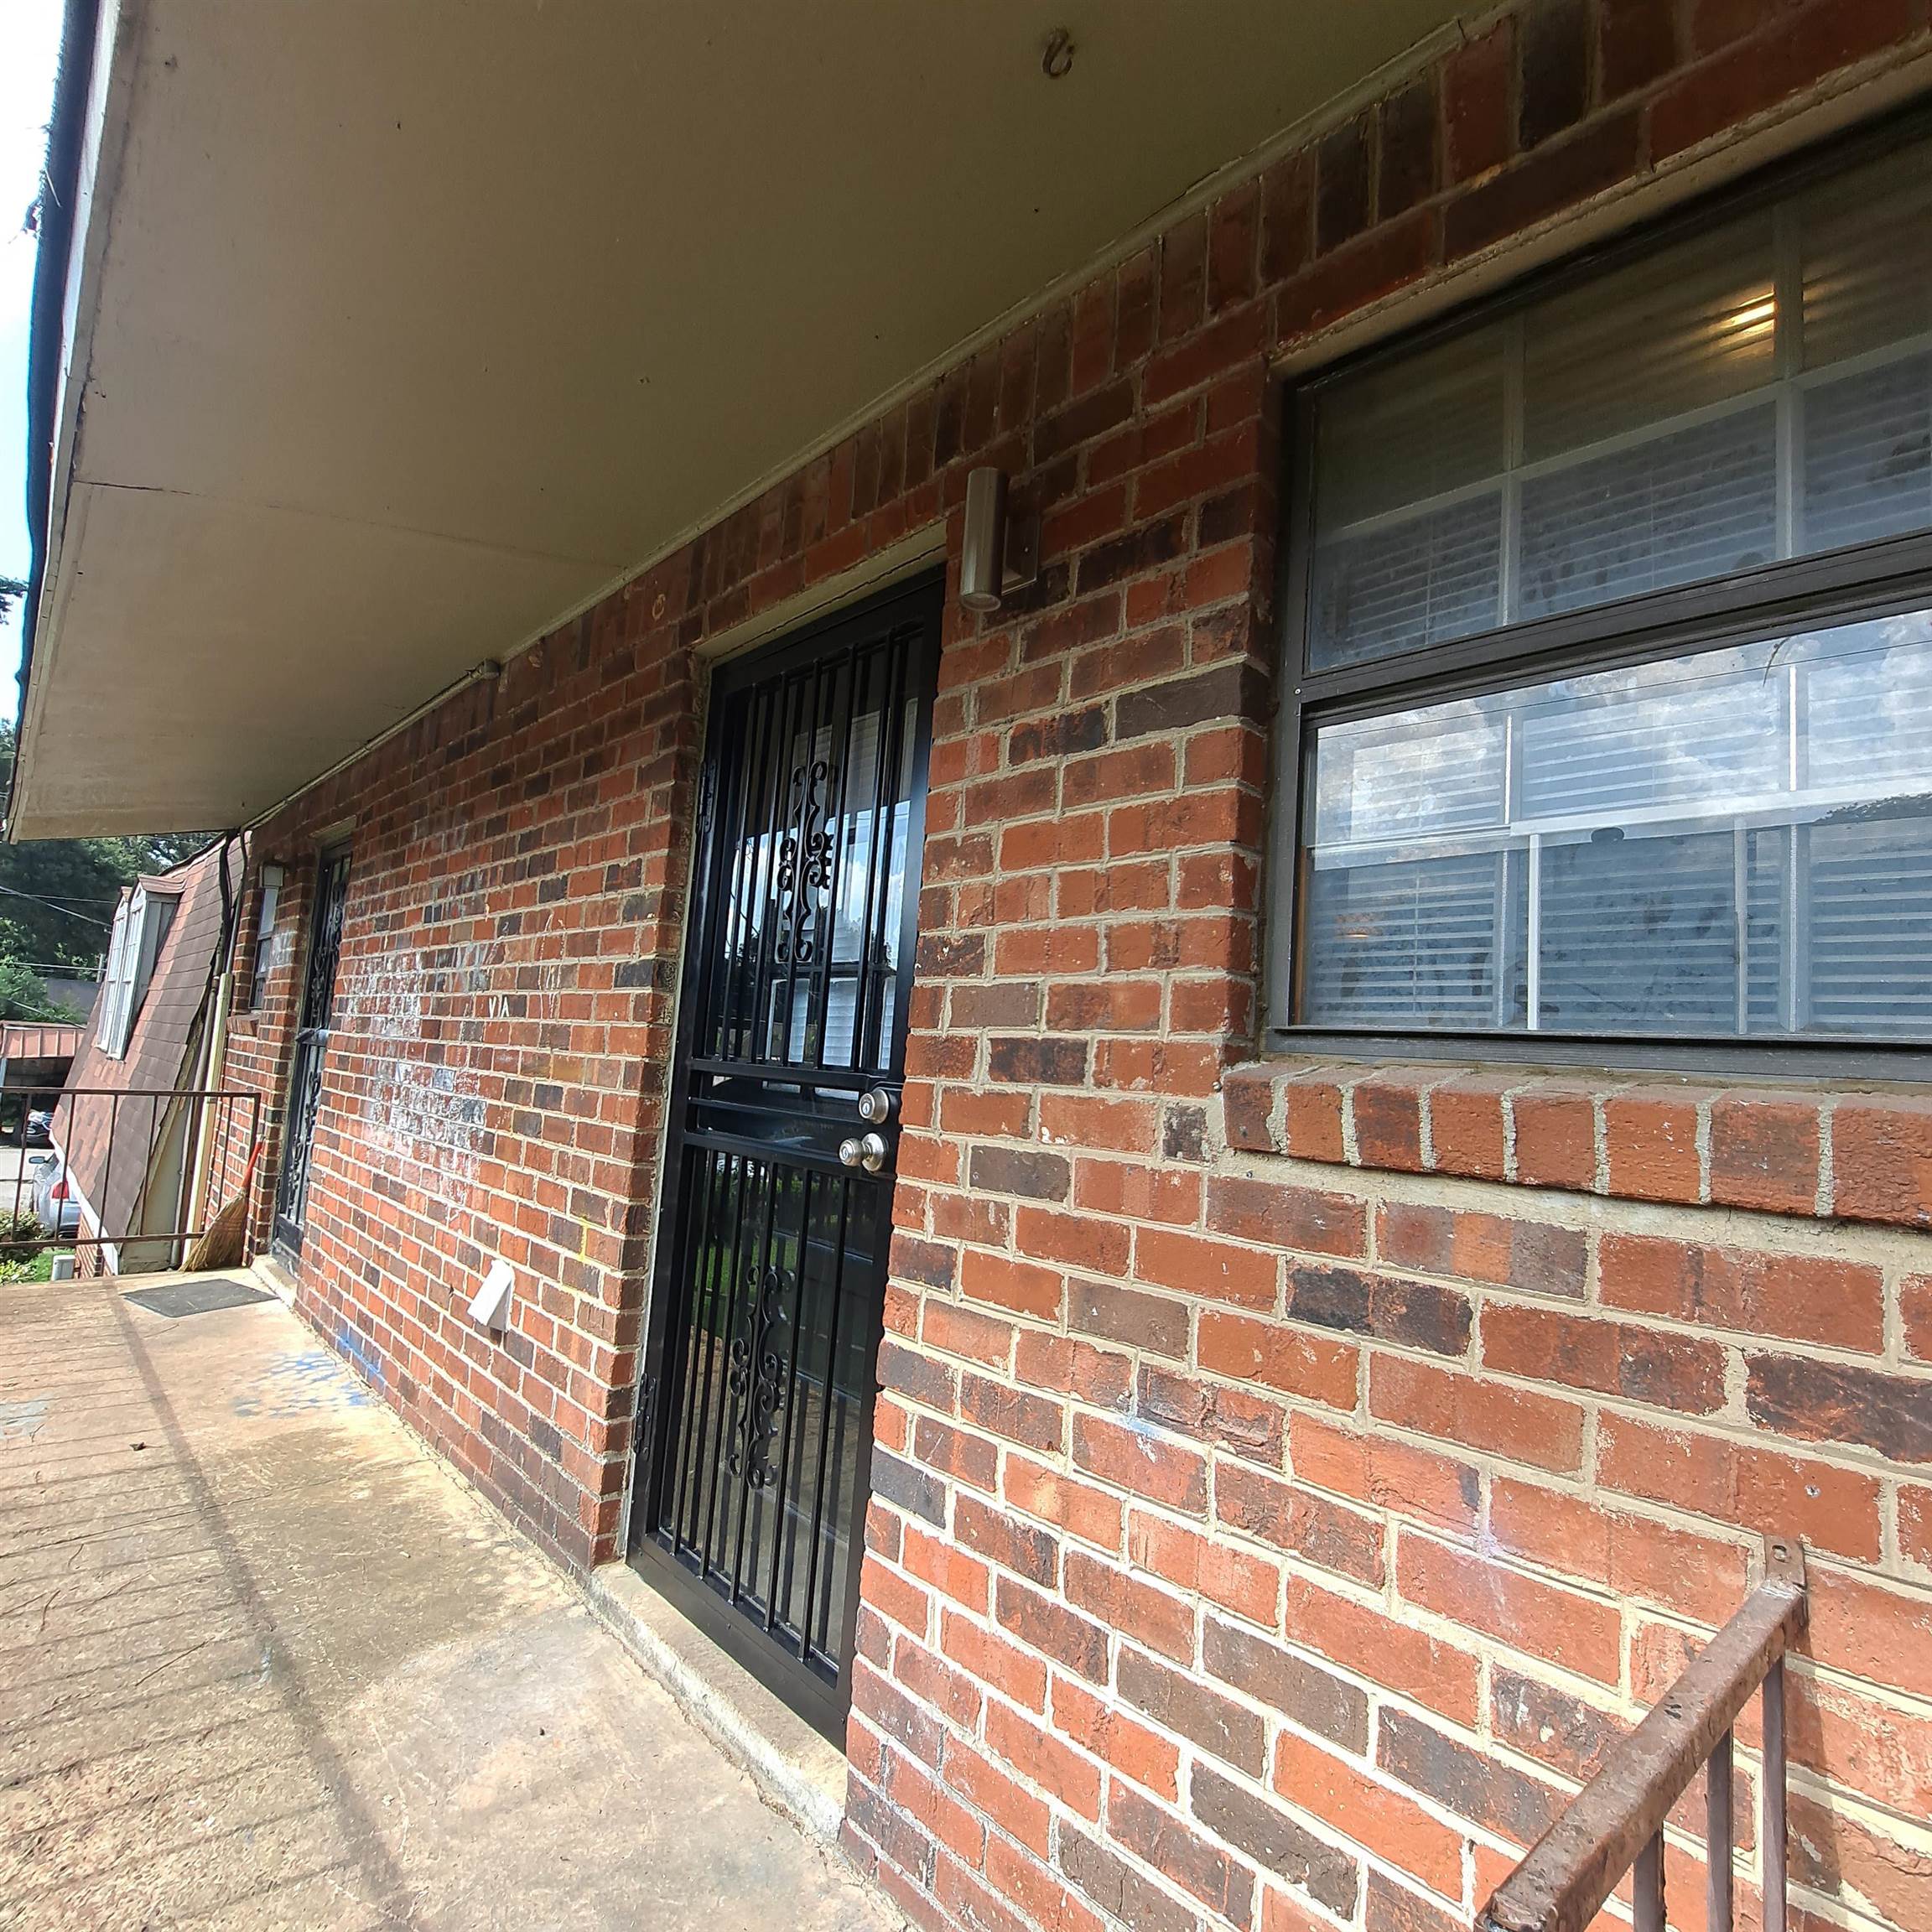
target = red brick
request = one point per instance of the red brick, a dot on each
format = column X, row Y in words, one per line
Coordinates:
column 1138, row 1460
column 957, row 1331
column 1915, row 1310
column 1535, row 1255
column 1840, row 1402
column 1466, row 1123
column 1561, row 1626
column 1232, row 1418
column 893, row 1597
column 1556, row 1135
column 1309, row 1367
column 1328, row 1535
column 1612, row 1358
column 1248, row 1095
column 1632, row 1555
column 1065, row 1501
column 1478, row 1413
column 1039, row 1755
column 1377, row 265
column 1836, row 1852
column 1123, row 1602
column 1805, row 1297
column 1757, row 72
column 1582, row 164
column 1058, row 1363
column 1248, row 1278
column 1764, row 1152
column 1285, row 1215
column 1476, row 104
column 989, row 1657
column 998, row 1793
column 1376, row 1817
column 1239, row 1581
column 937, row 1684
column 1741, row 1487
column 1881, row 1161
column 1388, row 1113
column 1650, row 1144
column 1636, row 44
column 948, row 1568
column 1871, row 1630
column 1390, row 1475
column 1180, row 1703
column 1313, row 1103
column 1234, row 225
column 1371, row 1642
column 1004, row 1283
column 1118, row 1738
column 1135, row 1191
column 1915, row 1523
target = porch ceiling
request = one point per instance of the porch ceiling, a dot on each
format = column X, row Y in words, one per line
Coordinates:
column 407, row 328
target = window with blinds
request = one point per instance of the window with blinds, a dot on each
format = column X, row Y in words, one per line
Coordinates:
column 1729, row 838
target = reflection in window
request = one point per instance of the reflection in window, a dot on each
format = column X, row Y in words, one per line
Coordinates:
column 816, row 879
column 1738, row 842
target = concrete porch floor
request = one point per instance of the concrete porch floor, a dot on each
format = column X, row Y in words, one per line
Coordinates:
column 263, row 1662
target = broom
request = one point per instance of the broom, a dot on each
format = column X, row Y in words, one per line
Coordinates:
column 225, row 1243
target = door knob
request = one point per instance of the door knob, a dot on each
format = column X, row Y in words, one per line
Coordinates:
column 875, row 1105
column 866, row 1151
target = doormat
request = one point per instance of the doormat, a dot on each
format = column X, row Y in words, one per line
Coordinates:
column 179, row 1298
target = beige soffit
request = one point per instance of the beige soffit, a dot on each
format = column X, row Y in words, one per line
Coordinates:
column 409, row 328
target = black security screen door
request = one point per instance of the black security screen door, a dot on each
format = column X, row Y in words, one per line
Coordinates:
column 311, row 1046
column 752, row 1481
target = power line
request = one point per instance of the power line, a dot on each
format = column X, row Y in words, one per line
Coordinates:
column 53, row 905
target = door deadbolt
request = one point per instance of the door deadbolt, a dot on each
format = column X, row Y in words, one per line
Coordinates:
column 875, row 1105
column 866, row 1151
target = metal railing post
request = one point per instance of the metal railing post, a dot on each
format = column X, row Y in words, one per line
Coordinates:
column 1775, row 1914
column 1647, row 1886
column 1615, row 1825
column 1718, row 1837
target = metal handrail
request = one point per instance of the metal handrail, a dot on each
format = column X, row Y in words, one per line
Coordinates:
column 229, row 1118
column 1615, row 1824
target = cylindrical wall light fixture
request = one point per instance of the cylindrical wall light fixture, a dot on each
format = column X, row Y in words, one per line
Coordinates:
column 983, row 555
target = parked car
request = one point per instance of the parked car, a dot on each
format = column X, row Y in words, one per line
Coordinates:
column 60, row 1212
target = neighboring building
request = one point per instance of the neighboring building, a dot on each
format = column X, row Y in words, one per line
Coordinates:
column 1398, row 967
column 76, row 992
column 125, row 1126
column 35, row 1057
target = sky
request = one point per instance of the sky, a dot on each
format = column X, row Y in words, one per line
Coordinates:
column 29, row 49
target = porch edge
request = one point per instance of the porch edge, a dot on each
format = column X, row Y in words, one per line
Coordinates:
column 795, row 1769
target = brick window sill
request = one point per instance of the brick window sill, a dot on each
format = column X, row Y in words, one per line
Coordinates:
column 1828, row 1152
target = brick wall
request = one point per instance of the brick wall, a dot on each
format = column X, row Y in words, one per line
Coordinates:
column 1287, row 1481
column 495, row 1080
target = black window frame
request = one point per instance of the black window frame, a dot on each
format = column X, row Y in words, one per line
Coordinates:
column 1866, row 580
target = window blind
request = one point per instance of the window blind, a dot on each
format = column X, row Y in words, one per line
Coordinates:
column 1762, row 391
column 1734, row 842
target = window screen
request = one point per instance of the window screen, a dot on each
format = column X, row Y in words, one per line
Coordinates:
column 1728, row 837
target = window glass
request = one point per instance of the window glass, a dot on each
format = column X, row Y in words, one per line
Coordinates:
column 1734, row 842
column 1408, row 466
column 117, row 980
column 1759, row 391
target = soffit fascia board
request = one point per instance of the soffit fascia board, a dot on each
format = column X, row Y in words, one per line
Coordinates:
column 103, row 144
